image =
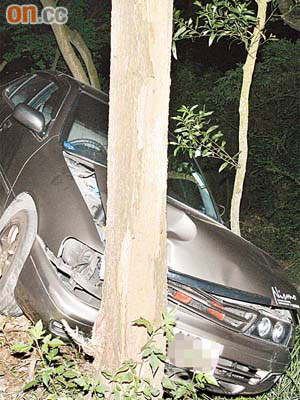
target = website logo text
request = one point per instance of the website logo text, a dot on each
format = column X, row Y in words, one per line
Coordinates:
column 29, row 14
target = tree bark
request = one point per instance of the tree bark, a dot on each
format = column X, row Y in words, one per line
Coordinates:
column 135, row 276
column 65, row 38
column 248, row 71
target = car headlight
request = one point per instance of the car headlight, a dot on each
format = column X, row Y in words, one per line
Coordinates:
column 278, row 332
column 264, row 327
column 273, row 325
column 271, row 329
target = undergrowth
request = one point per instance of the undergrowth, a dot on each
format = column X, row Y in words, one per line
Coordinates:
column 51, row 370
column 58, row 372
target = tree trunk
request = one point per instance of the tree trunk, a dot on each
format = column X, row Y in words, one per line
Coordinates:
column 135, row 276
column 65, row 38
column 248, row 71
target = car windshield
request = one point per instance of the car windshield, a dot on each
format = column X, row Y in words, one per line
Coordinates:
column 87, row 137
column 187, row 184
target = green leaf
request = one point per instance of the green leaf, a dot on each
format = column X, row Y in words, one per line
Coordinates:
column 212, row 128
column 45, row 348
column 123, row 368
column 47, row 338
column 147, row 392
column 180, row 392
column 46, row 378
column 37, row 331
column 210, row 379
column 144, row 322
column 56, row 342
column 223, row 166
column 162, row 357
column 217, row 136
column 154, row 391
column 80, row 382
column 146, row 353
column 59, row 370
column 211, row 39
column 62, row 380
column 197, row 153
column 101, row 389
column 154, row 363
column 168, row 383
column 21, row 348
column 174, row 50
column 70, row 374
column 30, row 385
column 52, row 354
column 180, row 32
column 107, row 375
column 126, row 377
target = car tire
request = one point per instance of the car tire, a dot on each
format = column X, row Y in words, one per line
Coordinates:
column 18, row 228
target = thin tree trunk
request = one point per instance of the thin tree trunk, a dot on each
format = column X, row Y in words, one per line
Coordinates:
column 85, row 53
column 135, row 276
column 65, row 37
column 248, row 71
column 3, row 65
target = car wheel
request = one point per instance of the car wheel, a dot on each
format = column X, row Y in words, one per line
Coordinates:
column 17, row 233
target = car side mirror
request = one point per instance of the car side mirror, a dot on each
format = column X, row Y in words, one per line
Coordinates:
column 29, row 117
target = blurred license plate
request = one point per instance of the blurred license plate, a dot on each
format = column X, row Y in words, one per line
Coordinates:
column 190, row 351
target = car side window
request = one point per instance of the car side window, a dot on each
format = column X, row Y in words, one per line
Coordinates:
column 15, row 85
column 28, row 90
column 87, row 130
column 47, row 102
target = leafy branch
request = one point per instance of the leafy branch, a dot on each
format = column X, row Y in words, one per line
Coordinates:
column 198, row 138
column 220, row 18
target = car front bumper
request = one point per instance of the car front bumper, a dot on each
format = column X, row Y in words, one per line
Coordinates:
column 245, row 365
column 42, row 295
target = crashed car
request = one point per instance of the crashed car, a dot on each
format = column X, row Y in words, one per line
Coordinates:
column 236, row 312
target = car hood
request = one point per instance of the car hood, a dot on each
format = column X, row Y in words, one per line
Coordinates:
column 205, row 254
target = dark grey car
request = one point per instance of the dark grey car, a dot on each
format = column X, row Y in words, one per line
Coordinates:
column 236, row 311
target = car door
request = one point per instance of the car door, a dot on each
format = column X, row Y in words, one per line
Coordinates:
column 5, row 113
column 18, row 143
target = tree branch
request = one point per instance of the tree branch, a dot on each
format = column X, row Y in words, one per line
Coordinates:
column 65, row 38
column 290, row 11
column 85, row 53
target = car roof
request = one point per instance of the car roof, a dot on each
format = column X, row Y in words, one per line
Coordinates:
column 75, row 84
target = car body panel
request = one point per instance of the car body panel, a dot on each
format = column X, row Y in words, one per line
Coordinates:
column 233, row 261
column 53, row 208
